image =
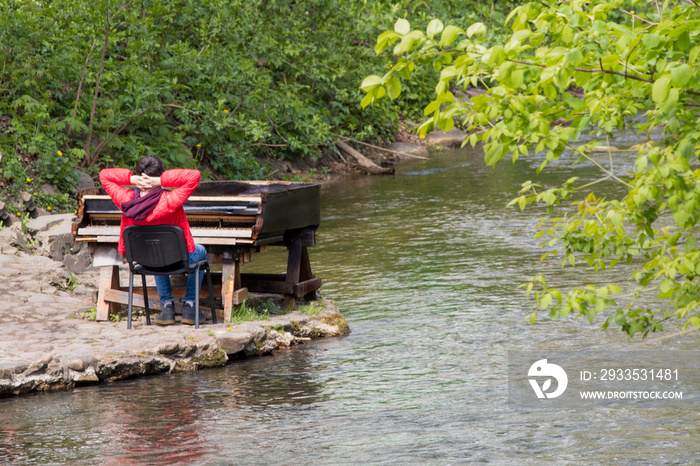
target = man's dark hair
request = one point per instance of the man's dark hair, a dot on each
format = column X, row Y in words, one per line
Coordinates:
column 151, row 165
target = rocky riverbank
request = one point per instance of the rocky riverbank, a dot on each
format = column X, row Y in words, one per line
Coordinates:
column 48, row 342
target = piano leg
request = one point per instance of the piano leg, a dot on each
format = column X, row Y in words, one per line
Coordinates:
column 299, row 275
column 293, row 268
column 305, row 273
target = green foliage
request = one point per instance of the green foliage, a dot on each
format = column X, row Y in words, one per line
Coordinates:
column 220, row 84
column 246, row 312
column 571, row 68
column 70, row 284
column 310, row 309
column 55, row 202
column 89, row 314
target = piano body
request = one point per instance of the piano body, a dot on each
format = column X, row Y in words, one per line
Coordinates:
column 233, row 220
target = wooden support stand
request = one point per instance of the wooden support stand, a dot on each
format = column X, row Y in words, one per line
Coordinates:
column 298, row 283
column 232, row 293
column 109, row 280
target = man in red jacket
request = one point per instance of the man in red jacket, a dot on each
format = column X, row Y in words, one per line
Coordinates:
column 149, row 204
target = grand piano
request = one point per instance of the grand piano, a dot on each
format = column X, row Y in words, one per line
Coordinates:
column 233, row 220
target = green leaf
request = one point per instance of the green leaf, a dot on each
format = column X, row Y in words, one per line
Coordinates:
column 666, row 285
column 683, row 41
column 445, row 123
column 393, row 88
column 476, row 29
column 517, row 79
column 574, row 57
column 681, row 217
column 402, row 26
column 384, row 39
column 651, row 40
column 660, row 89
column 546, row 301
column 671, row 101
column 449, row 35
column 600, row 27
column 370, row 82
column 368, row 99
column 497, row 56
column 680, row 75
column 694, row 53
column 494, row 153
column 609, row 61
column 434, row 27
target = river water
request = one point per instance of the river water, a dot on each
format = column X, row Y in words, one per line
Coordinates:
column 425, row 267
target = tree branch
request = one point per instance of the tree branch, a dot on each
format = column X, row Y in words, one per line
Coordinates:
column 596, row 70
column 602, row 168
column 89, row 160
column 106, row 142
column 638, row 17
column 80, row 86
column 382, row 148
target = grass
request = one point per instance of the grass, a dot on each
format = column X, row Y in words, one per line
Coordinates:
column 71, row 283
column 247, row 312
column 90, row 314
column 310, row 309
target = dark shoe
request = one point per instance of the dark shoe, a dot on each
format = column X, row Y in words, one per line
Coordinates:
column 188, row 314
column 166, row 316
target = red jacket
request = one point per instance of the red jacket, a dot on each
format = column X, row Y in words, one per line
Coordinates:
column 168, row 211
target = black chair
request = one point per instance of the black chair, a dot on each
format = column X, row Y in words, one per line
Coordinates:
column 161, row 250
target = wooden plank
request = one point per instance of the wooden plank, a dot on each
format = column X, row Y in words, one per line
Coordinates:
column 118, row 297
column 289, row 301
column 107, row 239
column 109, row 279
column 268, row 286
column 232, row 291
column 305, row 265
column 305, row 275
column 293, row 270
column 246, row 277
column 178, row 291
column 122, row 297
column 306, row 287
column 294, row 260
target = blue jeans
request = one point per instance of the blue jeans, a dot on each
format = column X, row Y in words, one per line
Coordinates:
column 165, row 289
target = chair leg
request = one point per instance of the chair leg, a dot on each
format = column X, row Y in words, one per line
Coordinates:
column 196, row 298
column 131, row 298
column 145, row 300
column 211, row 294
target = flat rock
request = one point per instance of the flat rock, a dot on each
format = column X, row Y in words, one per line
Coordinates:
column 233, row 341
column 406, row 150
column 41, row 299
column 53, row 222
column 77, row 362
column 451, row 138
column 9, row 368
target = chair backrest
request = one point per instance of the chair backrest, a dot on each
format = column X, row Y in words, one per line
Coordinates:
column 155, row 246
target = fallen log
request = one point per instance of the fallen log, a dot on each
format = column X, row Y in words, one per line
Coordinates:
column 366, row 164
